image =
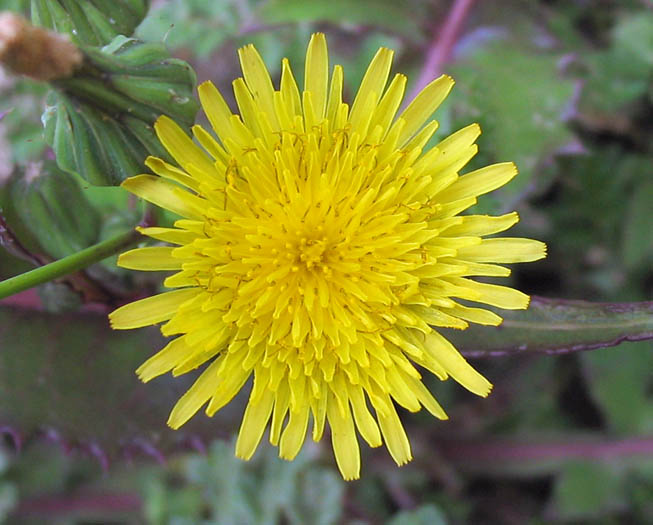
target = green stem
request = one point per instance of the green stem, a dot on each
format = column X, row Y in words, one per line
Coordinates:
column 70, row 264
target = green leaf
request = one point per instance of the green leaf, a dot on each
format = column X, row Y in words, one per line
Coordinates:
column 520, row 99
column 399, row 17
column 622, row 73
column 637, row 239
column 633, row 37
column 73, row 374
column 55, row 210
column 619, row 382
column 557, row 326
column 99, row 122
column 425, row 515
column 195, row 25
column 267, row 490
column 318, row 498
column 92, row 22
column 586, row 489
column 226, row 480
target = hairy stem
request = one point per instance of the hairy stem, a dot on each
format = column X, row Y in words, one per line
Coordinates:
column 70, row 264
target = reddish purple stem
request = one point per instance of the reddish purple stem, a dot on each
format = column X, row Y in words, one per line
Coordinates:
column 507, row 450
column 64, row 504
column 442, row 45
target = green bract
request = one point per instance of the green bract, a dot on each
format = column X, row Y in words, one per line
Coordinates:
column 93, row 22
column 54, row 208
column 99, row 122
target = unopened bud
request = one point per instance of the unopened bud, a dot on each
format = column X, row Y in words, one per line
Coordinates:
column 36, row 52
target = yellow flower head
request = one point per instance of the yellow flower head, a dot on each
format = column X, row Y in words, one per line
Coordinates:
column 319, row 250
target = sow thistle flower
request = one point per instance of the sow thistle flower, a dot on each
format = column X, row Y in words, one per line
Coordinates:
column 319, row 251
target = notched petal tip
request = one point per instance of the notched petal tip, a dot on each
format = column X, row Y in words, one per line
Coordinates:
column 246, row 48
column 206, row 86
column 444, row 77
column 485, row 393
column 163, row 120
column 317, row 37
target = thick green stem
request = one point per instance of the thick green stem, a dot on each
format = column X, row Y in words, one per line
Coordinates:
column 72, row 263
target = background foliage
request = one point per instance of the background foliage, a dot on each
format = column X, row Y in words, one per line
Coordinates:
column 564, row 88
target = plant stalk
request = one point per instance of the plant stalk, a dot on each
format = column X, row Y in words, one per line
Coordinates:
column 67, row 265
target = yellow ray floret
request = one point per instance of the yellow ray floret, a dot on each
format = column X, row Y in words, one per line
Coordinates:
column 319, row 248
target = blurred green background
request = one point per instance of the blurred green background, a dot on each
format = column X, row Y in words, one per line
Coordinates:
column 564, row 89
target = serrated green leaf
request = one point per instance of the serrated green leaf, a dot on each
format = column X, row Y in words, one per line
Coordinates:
column 520, row 99
column 99, row 122
column 228, row 485
column 318, row 498
column 92, row 22
column 557, row 326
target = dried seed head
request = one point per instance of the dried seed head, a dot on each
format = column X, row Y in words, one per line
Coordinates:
column 34, row 51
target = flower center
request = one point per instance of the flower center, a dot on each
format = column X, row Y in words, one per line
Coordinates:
column 312, row 252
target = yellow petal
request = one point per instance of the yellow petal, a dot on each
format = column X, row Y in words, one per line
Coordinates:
column 373, row 83
column 479, row 182
column 459, row 145
column 196, row 396
column 475, row 315
column 151, row 310
column 335, row 95
column 365, row 422
column 504, row 250
column 216, row 110
column 168, row 171
column 394, row 436
column 485, row 270
column 281, row 404
column 401, row 391
column 456, row 365
column 257, row 415
column 171, row 235
column 210, row 145
column 426, row 399
column 480, row 225
column 389, row 104
column 166, row 195
column 316, row 73
column 258, row 79
column 152, row 258
column 294, row 434
column 492, row 294
column 343, row 439
column 247, row 107
column 318, row 407
column 163, row 361
column 180, row 146
column 289, row 90
column 232, row 378
column 423, row 106
column 423, row 136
